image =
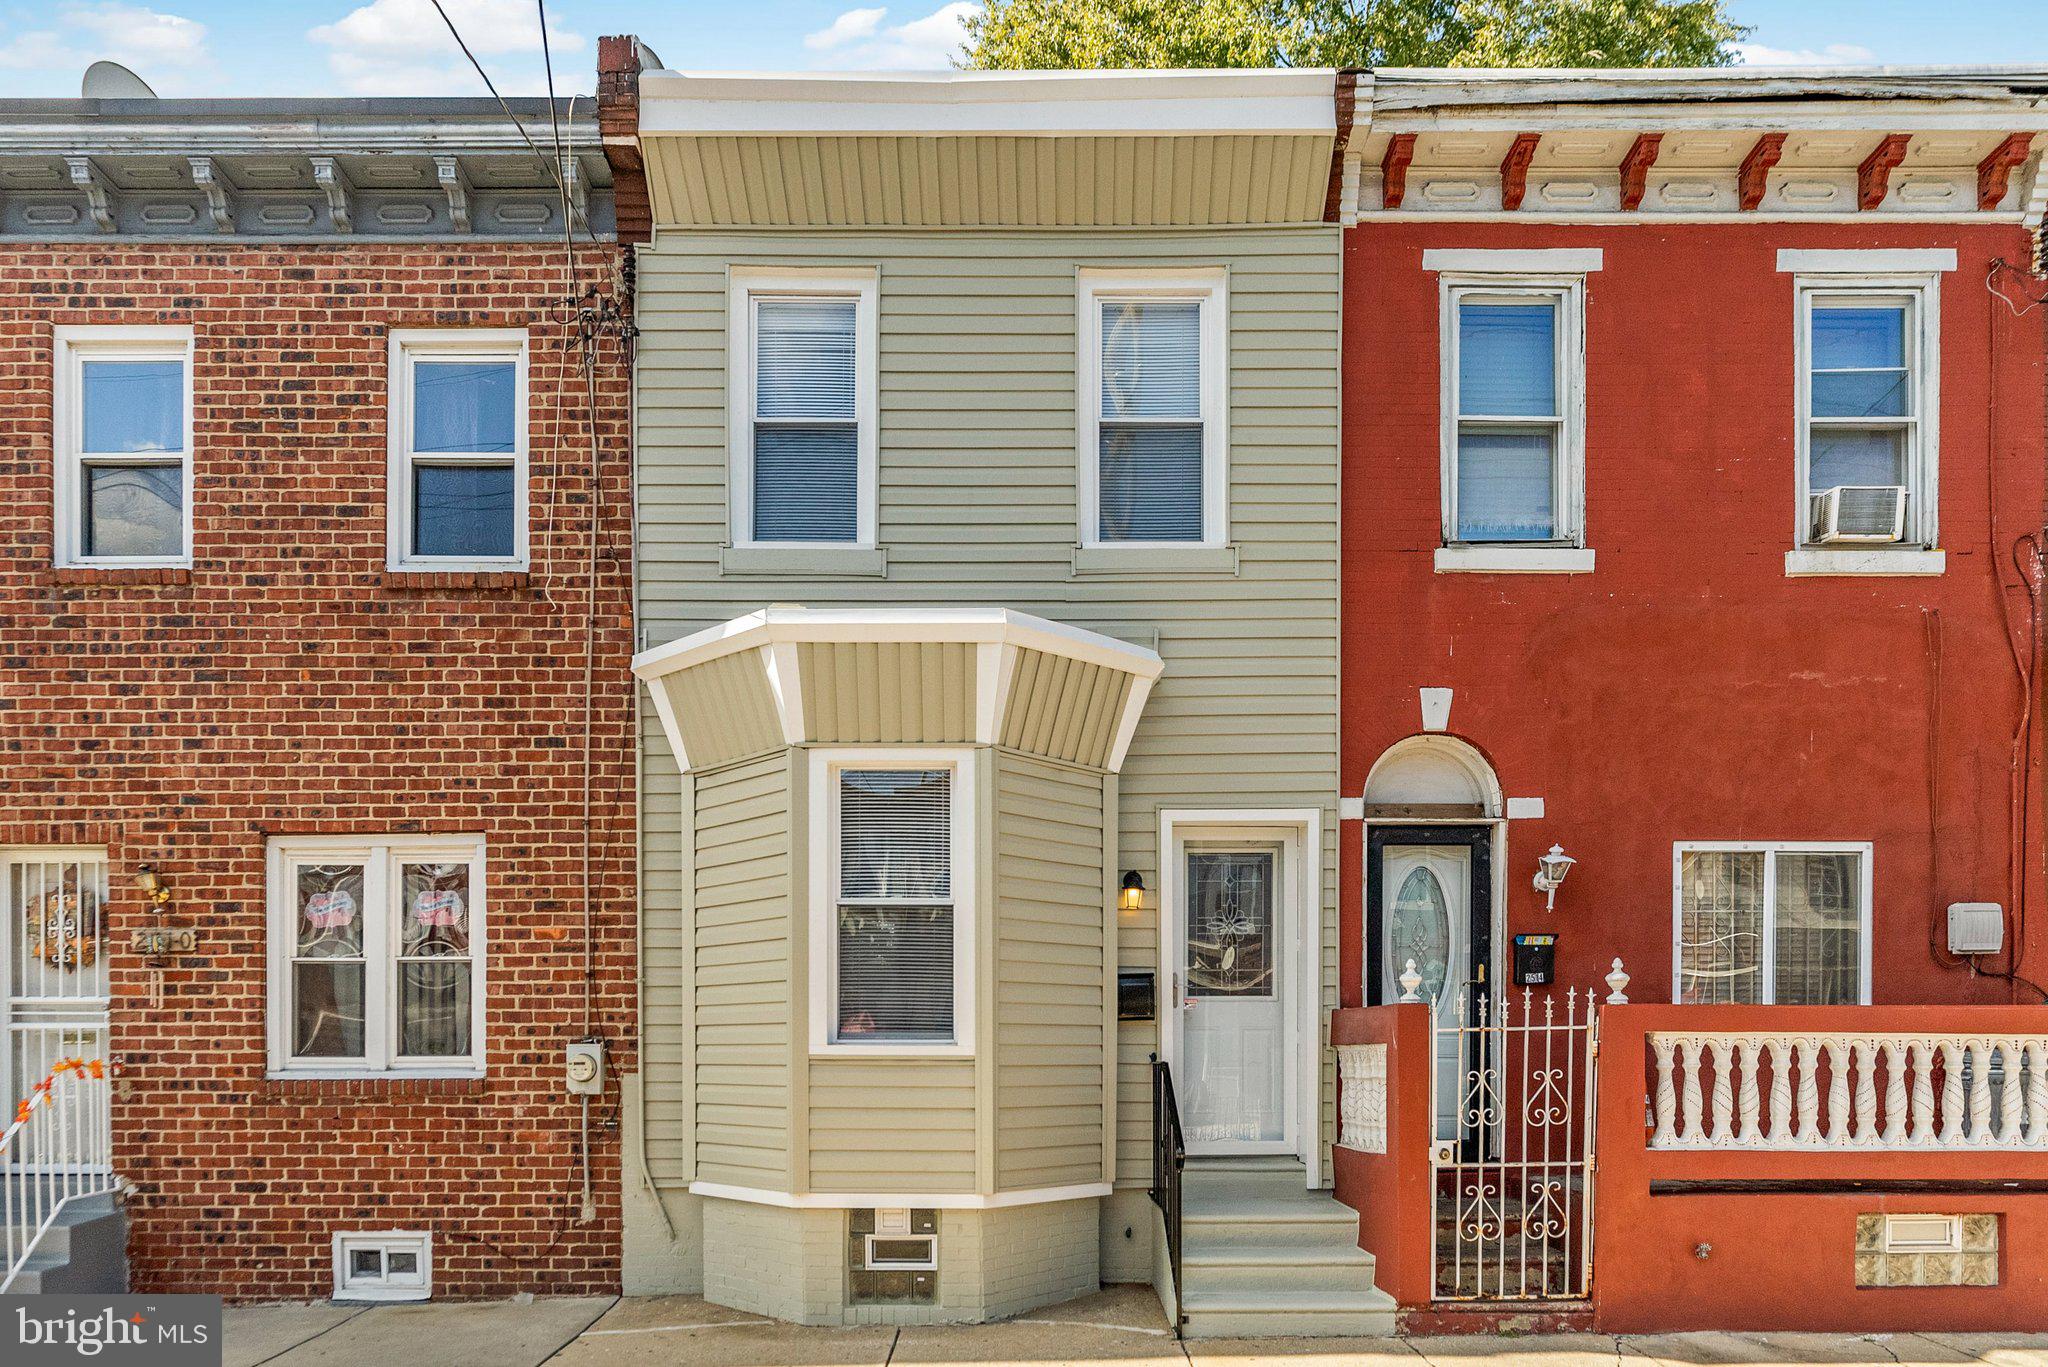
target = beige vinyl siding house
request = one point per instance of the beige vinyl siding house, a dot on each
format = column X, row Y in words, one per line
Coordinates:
column 1100, row 697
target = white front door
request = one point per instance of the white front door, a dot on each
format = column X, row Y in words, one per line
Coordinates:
column 1426, row 891
column 1235, row 997
column 54, row 946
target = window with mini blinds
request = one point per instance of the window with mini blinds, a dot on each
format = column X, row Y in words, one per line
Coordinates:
column 1867, row 397
column 1514, row 390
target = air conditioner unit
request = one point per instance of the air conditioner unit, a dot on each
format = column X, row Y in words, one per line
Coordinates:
column 1859, row 514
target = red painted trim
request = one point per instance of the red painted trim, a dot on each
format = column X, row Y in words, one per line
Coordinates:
column 1394, row 169
column 1514, row 169
column 1635, row 168
column 1874, row 176
column 1995, row 171
column 1757, row 165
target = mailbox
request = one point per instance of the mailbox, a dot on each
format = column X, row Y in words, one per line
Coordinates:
column 1134, row 995
column 1535, row 960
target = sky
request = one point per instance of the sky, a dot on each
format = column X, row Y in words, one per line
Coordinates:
column 396, row 47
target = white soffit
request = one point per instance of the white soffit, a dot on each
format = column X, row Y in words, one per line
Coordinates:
column 990, row 103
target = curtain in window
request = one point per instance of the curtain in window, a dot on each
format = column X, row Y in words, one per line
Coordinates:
column 1508, row 423
column 1149, row 474
column 434, row 961
column 1721, row 923
column 895, row 928
column 327, row 964
column 1819, row 928
column 806, row 427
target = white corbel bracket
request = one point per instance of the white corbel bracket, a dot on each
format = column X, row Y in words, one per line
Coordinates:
column 86, row 176
column 329, row 176
column 454, row 184
column 579, row 192
column 207, row 176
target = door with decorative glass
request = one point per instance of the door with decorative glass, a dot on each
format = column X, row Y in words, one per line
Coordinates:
column 53, row 939
column 1234, row 1000
column 1426, row 893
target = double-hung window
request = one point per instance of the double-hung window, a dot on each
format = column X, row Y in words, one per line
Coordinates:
column 377, row 954
column 893, row 929
column 803, row 408
column 1514, row 394
column 458, row 420
column 1153, row 427
column 1772, row 923
column 124, row 447
column 1867, row 400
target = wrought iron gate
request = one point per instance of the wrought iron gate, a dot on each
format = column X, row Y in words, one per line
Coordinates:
column 1514, row 1164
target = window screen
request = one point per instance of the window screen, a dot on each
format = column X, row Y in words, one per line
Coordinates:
column 1861, row 395
column 1150, row 433
column 1509, row 420
column 895, row 906
column 806, row 424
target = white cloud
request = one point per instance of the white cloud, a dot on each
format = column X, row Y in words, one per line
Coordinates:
column 167, row 50
column 1834, row 54
column 849, row 27
column 402, row 47
column 921, row 44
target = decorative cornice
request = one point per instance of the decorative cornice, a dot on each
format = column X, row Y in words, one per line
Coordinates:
column 1635, row 168
column 1750, row 181
column 1514, row 169
column 1994, row 173
column 1873, row 177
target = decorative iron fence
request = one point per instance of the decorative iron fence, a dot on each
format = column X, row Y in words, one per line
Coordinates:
column 58, row 1150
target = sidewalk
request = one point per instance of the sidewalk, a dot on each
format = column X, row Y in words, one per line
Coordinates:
column 1121, row 1325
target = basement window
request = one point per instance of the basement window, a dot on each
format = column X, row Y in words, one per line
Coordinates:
column 892, row 1257
column 392, row 1265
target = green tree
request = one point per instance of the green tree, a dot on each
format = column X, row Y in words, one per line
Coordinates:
column 1044, row 34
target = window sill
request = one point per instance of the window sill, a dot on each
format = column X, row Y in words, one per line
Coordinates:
column 1819, row 561
column 1514, row 560
column 456, row 579
column 1151, row 560
column 824, row 562
column 405, row 1083
column 122, row 574
column 935, row 1052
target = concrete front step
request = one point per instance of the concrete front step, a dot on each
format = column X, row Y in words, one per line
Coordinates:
column 1321, row 1314
column 83, row 1252
column 1276, row 1270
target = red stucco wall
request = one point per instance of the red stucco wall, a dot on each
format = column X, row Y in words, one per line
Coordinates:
column 1392, row 1191
column 1689, row 690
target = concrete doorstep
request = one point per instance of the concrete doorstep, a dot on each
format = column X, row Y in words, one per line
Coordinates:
column 1121, row 1325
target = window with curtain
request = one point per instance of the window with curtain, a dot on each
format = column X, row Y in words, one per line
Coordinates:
column 806, row 421
column 461, row 468
column 127, row 462
column 1771, row 925
column 1509, row 460
column 893, row 956
column 1150, row 438
column 381, row 943
column 1863, row 415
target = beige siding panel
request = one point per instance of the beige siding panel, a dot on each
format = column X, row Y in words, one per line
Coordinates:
column 978, row 507
column 887, row 1126
column 1064, row 709
column 724, row 709
column 743, row 978
column 887, row 692
column 988, row 182
column 1050, row 1068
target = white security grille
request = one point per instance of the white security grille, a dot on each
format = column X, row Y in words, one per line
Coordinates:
column 1514, row 1188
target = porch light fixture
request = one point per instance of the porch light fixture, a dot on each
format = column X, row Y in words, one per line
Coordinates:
column 1550, row 873
column 152, row 887
column 1132, row 898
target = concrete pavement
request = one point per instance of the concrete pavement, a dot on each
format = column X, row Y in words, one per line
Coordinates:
column 1121, row 1325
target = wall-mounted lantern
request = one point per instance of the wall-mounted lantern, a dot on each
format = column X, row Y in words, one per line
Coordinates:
column 153, row 888
column 1550, row 874
column 1132, row 897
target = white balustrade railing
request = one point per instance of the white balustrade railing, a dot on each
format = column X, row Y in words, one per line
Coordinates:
column 1761, row 1089
column 58, row 1150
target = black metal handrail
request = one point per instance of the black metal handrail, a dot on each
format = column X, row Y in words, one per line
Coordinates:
column 1169, row 1156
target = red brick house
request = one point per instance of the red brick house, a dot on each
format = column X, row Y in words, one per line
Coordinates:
column 1693, row 480
column 314, row 610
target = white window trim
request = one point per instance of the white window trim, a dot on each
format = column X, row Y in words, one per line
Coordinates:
column 1770, row 849
column 420, row 1242
column 382, row 857
column 73, row 346
column 1211, row 289
column 823, row 847
column 1514, row 261
column 443, row 344
column 1923, row 454
column 1569, row 497
column 745, row 285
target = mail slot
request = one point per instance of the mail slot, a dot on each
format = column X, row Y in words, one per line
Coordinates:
column 1535, row 960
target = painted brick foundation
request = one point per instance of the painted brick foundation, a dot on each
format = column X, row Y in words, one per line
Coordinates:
column 287, row 684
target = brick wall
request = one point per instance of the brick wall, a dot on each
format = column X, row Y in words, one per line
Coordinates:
column 1687, row 689
column 287, row 684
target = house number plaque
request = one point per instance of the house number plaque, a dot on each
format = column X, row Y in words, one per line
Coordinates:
column 158, row 941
